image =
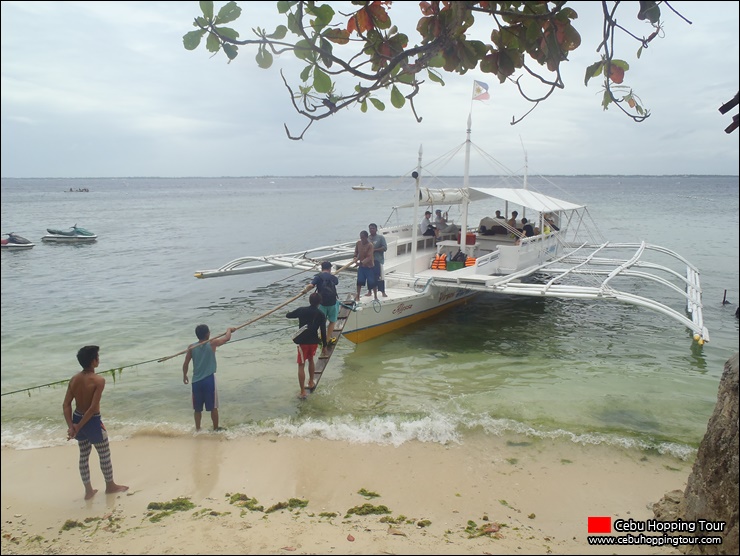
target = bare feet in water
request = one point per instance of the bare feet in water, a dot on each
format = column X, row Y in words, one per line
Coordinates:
column 90, row 492
column 112, row 488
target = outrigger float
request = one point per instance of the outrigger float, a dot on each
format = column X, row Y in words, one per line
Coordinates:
column 565, row 258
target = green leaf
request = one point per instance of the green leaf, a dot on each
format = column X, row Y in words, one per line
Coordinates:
column 279, row 33
column 212, row 43
column 227, row 32
column 231, row 50
column 437, row 61
column 639, row 53
column 377, row 104
column 363, row 106
column 263, row 57
column 321, row 81
column 293, row 25
column 324, row 15
column 533, row 30
column 283, row 6
column 593, row 70
column 621, row 64
column 191, row 40
column 606, row 100
column 406, row 78
column 207, row 9
column 302, row 50
column 306, row 73
column 326, row 52
column 649, row 11
column 397, row 98
column 434, row 77
column 229, row 12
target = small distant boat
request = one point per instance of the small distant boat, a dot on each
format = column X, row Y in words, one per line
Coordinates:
column 14, row 242
column 362, row 187
column 74, row 235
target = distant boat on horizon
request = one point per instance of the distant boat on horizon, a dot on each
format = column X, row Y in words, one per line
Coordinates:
column 362, row 187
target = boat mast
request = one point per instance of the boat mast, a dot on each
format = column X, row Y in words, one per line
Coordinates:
column 526, row 173
column 466, row 184
column 415, row 223
column 526, row 163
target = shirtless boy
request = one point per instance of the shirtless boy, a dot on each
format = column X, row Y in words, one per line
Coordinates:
column 85, row 424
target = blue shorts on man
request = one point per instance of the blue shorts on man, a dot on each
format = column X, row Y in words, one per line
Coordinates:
column 94, row 429
column 205, row 393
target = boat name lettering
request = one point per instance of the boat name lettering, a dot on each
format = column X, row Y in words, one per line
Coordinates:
column 401, row 308
column 447, row 296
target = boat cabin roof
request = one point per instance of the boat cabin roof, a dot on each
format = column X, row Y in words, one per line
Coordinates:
column 523, row 197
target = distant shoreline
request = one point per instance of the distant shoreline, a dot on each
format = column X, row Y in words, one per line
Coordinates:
column 363, row 176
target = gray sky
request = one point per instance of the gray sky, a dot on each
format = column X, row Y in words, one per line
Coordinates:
column 106, row 89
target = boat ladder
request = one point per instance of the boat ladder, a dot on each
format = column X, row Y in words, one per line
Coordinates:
column 322, row 362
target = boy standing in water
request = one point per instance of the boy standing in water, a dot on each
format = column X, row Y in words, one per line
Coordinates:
column 85, row 424
column 203, row 354
column 308, row 340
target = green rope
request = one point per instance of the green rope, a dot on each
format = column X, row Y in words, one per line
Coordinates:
column 120, row 369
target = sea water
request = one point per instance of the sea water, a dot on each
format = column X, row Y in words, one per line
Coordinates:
column 584, row 371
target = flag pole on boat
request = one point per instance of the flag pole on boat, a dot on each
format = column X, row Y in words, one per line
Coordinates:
column 466, row 184
column 414, row 225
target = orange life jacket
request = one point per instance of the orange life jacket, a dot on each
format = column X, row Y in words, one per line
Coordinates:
column 443, row 261
column 440, row 262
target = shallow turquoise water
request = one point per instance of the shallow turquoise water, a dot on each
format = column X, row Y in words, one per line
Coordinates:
column 600, row 373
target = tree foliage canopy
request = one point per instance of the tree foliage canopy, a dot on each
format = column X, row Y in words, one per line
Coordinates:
column 348, row 58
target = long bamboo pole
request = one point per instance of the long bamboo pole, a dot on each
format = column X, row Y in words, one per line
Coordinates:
column 263, row 315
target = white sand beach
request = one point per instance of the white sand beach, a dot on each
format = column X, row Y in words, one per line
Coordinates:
column 529, row 497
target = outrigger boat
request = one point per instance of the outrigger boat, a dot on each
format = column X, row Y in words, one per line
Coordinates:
column 562, row 259
column 14, row 242
column 74, row 235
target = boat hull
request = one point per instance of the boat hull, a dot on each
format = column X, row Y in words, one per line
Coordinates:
column 54, row 238
column 17, row 246
column 370, row 320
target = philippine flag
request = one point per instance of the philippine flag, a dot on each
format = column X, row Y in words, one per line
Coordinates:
column 480, row 91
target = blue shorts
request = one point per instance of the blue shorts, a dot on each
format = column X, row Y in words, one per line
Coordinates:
column 331, row 311
column 365, row 274
column 205, row 393
column 94, row 430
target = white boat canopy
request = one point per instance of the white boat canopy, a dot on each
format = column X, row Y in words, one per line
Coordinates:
column 523, row 197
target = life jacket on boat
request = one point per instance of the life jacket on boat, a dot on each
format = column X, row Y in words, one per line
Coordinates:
column 470, row 261
column 440, row 262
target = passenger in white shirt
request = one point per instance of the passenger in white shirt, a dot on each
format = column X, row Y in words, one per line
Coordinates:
column 426, row 227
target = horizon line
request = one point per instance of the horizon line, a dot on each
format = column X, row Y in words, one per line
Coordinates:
column 359, row 176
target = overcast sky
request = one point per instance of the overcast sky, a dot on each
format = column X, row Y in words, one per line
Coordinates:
column 106, row 89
